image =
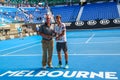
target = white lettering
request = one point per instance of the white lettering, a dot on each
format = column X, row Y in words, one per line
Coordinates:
column 110, row 75
column 83, row 74
column 10, row 73
column 66, row 74
column 55, row 74
column 30, row 74
column 21, row 73
column 100, row 74
column 41, row 74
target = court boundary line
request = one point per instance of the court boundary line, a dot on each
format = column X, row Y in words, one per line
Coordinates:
column 87, row 41
column 40, row 44
column 63, row 54
column 19, row 46
column 97, row 42
column 109, row 28
column 20, row 49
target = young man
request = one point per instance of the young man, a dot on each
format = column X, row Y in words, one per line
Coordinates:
column 46, row 32
column 61, row 40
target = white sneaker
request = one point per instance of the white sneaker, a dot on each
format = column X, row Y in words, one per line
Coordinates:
column 44, row 67
column 66, row 66
column 51, row 66
column 58, row 66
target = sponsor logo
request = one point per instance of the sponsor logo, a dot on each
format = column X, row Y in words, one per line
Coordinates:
column 79, row 23
column 104, row 22
column 92, row 22
column 68, row 24
column 116, row 21
column 65, row 74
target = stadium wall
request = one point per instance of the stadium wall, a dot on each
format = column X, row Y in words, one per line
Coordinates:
column 31, row 27
column 93, row 24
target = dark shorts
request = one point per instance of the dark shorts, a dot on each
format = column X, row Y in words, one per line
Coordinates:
column 61, row 45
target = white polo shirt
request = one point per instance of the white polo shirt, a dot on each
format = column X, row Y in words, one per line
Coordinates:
column 58, row 30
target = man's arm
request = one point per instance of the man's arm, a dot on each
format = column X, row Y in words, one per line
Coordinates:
column 60, row 35
column 42, row 34
column 45, row 35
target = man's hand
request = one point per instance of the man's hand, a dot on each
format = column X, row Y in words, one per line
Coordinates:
column 57, row 38
column 48, row 36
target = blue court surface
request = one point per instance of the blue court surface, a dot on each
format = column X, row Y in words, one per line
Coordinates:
column 93, row 55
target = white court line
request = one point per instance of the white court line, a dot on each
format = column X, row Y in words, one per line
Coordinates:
column 18, row 46
column 20, row 49
column 21, row 55
column 96, row 42
column 40, row 44
column 63, row 55
column 70, row 34
column 106, row 42
column 89, row 38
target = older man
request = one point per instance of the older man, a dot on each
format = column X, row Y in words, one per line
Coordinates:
column 46, row 31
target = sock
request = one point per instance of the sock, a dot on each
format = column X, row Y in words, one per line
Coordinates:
column 66, row 62
column 60, row 62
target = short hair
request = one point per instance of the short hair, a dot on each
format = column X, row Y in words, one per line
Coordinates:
column 58, row 16
column 48, row 16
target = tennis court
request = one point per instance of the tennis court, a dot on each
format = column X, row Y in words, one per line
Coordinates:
column 93, row 55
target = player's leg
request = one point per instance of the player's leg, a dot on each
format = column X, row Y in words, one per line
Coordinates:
column 44, row 55
column 50, row 52
column 58, row 46
column 65, row 49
